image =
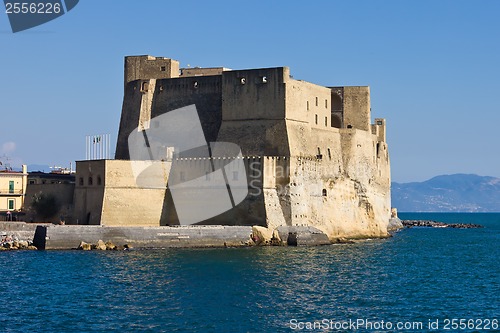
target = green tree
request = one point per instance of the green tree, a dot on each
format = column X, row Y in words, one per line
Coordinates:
column 45, row 205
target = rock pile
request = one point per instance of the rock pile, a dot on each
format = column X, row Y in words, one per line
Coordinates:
column 434, row 224
column 9, row 243
column 103, row 246
column 289, row 236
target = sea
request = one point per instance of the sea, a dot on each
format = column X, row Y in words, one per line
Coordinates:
column 419, row 280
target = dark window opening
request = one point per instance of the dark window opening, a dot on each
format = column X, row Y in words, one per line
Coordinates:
column 349, row 126
column 324, row 192
column 307, row 105
column 316, row 119
column 329, row 154
column 80, row 181
column 316, row 101
column 319, row 156
column 144, row 86
column 163, row 68
column 326, row 121
column 99, row 181
column 90, row 181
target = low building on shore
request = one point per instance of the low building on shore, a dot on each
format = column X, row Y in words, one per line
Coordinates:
column 13, row 186
column 49, row 196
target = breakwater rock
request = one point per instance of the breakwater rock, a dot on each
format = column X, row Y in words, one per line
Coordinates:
column 11, row 242
column 102, row 246
column 394, row 225
column 435, row 224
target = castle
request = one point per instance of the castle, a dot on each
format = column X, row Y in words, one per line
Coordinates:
column 311, row 156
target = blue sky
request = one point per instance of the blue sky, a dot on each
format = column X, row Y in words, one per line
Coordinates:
column 433, row 68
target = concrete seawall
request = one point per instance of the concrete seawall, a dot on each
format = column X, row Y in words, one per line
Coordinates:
column 21, row 230
column 63, row 237
column 47, row 236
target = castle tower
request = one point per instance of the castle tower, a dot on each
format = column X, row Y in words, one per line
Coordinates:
column 148, row 67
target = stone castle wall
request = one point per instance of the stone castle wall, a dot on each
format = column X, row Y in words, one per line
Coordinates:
column 319, row 160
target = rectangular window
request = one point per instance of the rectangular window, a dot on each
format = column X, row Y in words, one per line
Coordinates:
column 326, row 104
column 316, row 119
column 316, row 101
column 326, row 121
column 11, row 186
column 163, row 68
column 11, row 203
column 307, row 105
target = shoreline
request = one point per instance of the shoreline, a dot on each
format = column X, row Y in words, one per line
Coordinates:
column 44, row 236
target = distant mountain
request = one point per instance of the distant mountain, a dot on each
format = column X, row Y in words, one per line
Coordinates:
column 448, row 193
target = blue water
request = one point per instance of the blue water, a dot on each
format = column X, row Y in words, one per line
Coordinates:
column 418, row 275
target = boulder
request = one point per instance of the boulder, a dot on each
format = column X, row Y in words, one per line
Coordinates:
column 343, row 240
column 127, row 247
column 110, row 246
column 262, row 235
column 85, row 246
column 31, row 247
column 100, row 245
column 395, row 224
column 276, row 240
column 23, row 244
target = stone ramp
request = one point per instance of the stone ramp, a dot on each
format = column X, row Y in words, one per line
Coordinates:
column 64, row 237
